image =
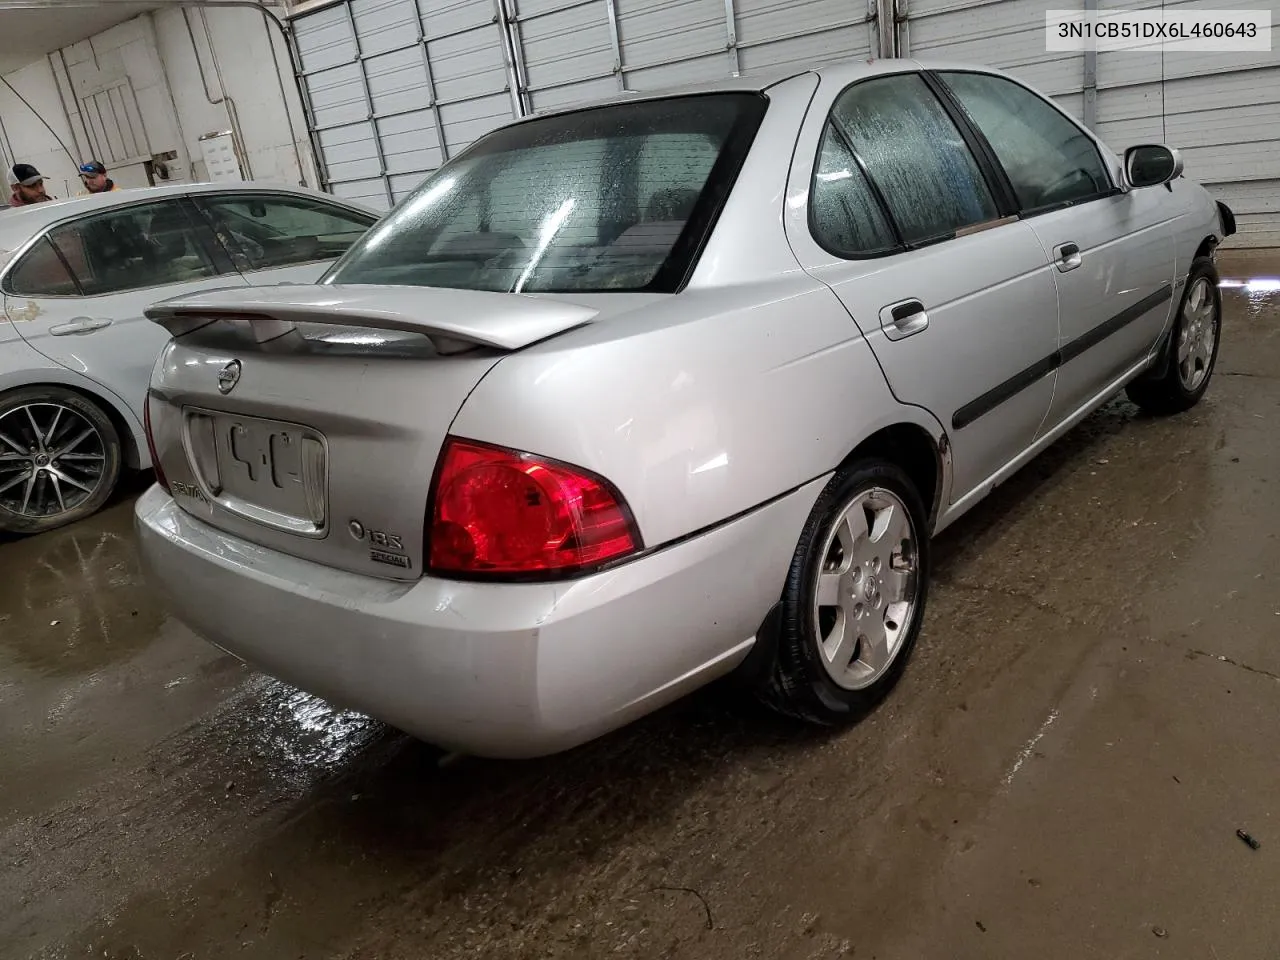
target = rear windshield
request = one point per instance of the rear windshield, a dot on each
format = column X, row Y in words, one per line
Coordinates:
column 616, row 198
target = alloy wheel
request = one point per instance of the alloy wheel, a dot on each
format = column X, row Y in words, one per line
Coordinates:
column 1197, row 335
column 52, row 459
column 868, row 588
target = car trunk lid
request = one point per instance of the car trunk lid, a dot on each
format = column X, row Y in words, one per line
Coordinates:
column 310, row 419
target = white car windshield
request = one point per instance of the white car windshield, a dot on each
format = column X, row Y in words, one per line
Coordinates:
column 615, row 198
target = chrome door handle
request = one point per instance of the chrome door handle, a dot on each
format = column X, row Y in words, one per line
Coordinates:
column 901, row 320
column 1066, row 256
column 78, row 325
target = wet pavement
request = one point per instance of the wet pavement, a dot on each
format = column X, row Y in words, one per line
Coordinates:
column 1090, row 715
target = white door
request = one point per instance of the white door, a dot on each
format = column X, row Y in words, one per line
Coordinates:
column 957, row 302
column 282, row 238
column 79, row 294
column 1112, row 252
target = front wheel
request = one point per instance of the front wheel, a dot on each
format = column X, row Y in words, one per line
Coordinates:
column 854, row 599
column 60, row 459
column 1197, row 330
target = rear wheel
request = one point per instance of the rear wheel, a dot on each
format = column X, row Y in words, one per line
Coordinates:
column 1193, row 348
column 60, row 459
column 854, row 598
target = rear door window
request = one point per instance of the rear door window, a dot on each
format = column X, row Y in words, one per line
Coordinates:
column 147, row 245
column 261, row 231
column 844, row 214
column 916, row 155
column 41, row 273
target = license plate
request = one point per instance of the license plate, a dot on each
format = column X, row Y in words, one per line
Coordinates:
column 269, row 471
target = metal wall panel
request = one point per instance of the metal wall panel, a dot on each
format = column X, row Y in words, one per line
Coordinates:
column 670, row 42
column 338, row 111
column 1000, row 33
column 1221, row 109
column 786, row 33
column 465, row 47
column 396, row 87
column 573, row 50
column 1257, row 207
column 568, row 50
column 324, row 39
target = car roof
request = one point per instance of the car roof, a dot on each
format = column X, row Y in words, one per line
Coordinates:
column 750, row 83
column 847, row 69
column 17, row 224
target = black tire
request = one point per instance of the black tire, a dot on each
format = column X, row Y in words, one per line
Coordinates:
column 799, row 683
column 1165, row 389
column 96, row 465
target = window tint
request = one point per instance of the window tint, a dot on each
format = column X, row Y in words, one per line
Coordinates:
column 916, row 156
column 843, row 212
column 41, row 273
column 671, row 171
column 262, row 231
column 1048, row 158
column 593, row 200
column 133, row 248
column 569, row 171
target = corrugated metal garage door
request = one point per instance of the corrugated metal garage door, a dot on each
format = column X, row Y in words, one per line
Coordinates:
column 1000, row 33
column 395, row 87
column 1222, row 110
column 580, row 49
column 394, row 90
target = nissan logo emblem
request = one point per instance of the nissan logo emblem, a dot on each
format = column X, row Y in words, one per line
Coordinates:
column 228, row 377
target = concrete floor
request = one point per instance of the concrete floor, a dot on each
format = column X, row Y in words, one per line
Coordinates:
column 1090, row 716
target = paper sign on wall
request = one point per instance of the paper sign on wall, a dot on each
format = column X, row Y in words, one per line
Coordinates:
column 220, row 160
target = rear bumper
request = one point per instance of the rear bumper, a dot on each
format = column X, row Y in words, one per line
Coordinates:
column 502, row 670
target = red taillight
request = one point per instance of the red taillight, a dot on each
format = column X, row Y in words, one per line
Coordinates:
column 498, row 511
column 151, row 443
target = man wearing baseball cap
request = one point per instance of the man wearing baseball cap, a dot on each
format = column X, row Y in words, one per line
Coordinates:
column 28, row 186
column 94, row 177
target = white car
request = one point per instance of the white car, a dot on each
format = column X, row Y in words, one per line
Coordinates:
column 76, row 351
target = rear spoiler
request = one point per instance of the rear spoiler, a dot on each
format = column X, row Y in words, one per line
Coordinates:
column 454, row 320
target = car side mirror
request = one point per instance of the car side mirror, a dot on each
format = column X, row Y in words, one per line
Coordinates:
column 1151, row 164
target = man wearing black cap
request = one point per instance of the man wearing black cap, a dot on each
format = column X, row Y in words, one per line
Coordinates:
column 28, row 186
column 94, row 176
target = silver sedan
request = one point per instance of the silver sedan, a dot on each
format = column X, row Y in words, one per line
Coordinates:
column 632, row 396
